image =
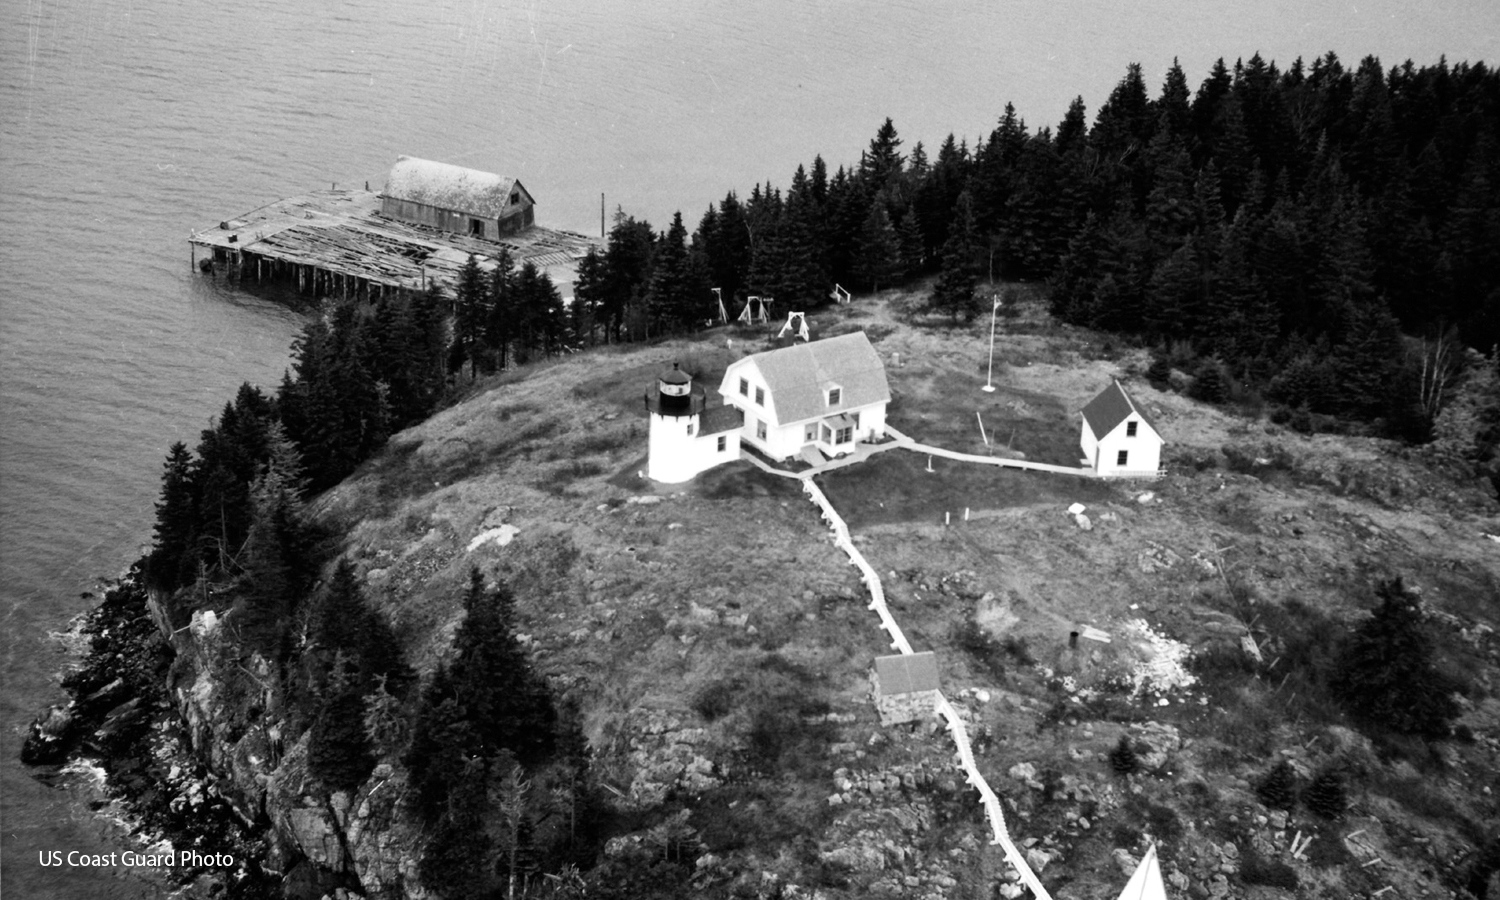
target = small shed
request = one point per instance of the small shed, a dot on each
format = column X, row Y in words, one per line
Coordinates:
column 906, row 687
column 1116, row 436
column 453, row 198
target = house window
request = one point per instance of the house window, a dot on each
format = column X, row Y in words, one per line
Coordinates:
column 760, row 429
column 515, row 197
column 476, row 227
column 811, row 432
column 833, row 396
column 843, row 435
column 1130, row 429
column 744, row 388
column 690, row 428
column 1120, row 459
column 856, row 420
column 723, row 442
column 760, row 397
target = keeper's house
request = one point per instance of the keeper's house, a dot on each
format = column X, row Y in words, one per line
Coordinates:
column 1117, row 438
column 452, row 198
column 814, row 400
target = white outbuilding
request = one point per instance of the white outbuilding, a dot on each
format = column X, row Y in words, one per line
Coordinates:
column 685, row 438
column 813, row 400
column 1117, row 437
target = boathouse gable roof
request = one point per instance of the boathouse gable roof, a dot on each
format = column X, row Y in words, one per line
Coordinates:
column 452, row 187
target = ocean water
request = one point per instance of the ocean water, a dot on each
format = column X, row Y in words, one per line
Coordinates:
column 124, row 124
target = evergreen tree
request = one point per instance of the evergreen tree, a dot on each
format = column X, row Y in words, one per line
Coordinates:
column 1160, row 372
column 1385, row 673
column 503, row 309
column 172, row 562
column 1327, row 796
column 345, row 627
column 1209, row 385
column 627, row 265
column 880, row 247
column 909, row 235
column 954, row 293
column 882, row 162
column 338, row 750
column 673, row 299
column 588, row 298
column 1278, row 788
column 472, row 314
column 1123, row 758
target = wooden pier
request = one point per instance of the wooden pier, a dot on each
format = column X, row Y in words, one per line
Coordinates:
column 337, row 243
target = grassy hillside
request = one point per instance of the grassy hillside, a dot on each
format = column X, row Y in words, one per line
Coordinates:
column 720, row 645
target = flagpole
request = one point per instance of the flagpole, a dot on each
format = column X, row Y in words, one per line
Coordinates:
column 989, row 381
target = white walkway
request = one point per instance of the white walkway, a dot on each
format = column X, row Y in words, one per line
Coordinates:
column 943, row 709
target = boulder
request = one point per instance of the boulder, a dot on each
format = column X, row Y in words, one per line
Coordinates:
column 52, row 734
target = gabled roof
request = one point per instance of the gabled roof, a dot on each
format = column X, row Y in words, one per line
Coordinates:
column 720, row 419
column 450, row 187
column 907, row 673
column 1113, row 406
column 799, row 376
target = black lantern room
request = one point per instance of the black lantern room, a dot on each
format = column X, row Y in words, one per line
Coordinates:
column 674, row 394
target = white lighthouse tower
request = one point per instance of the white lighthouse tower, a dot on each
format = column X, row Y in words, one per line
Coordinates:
column 686, row 439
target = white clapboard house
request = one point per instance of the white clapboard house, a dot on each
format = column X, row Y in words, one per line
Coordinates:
column 1117, row 437
column 811, row 400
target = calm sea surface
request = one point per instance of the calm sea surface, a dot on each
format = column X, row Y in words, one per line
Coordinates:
column 126, row 123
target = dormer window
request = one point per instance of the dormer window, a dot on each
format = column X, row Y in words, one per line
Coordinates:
column 834, row 396
column 1130, row 429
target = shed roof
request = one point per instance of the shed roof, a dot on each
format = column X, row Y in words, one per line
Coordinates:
column 1114, row 405
column 450, row 187
column 907, row 673
column 799, row 376
column 720, row 419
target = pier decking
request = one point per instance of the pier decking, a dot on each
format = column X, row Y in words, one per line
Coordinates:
column 336, row 242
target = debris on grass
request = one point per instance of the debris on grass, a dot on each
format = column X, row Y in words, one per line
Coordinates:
column 501, row 536
column 1163, row 662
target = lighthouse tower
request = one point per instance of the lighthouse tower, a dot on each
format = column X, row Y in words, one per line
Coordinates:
column 675, row 407
column 685, row 438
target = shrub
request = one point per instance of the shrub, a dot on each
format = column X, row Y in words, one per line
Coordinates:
column 716, row 700
column 981, row 647
column 1160, row 373
column 1123, row 758
column 1327, row 795
column 1385, row 673
column 1269, row 872
column 1210, row 386
column 1278, row 788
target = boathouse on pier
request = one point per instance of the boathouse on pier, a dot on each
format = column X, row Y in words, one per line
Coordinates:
column 455, row 199
column 362, row 243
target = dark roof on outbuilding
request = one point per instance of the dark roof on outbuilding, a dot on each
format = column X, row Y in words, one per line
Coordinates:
column 720, row 419
column 1114, row 405
column 907, row 673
